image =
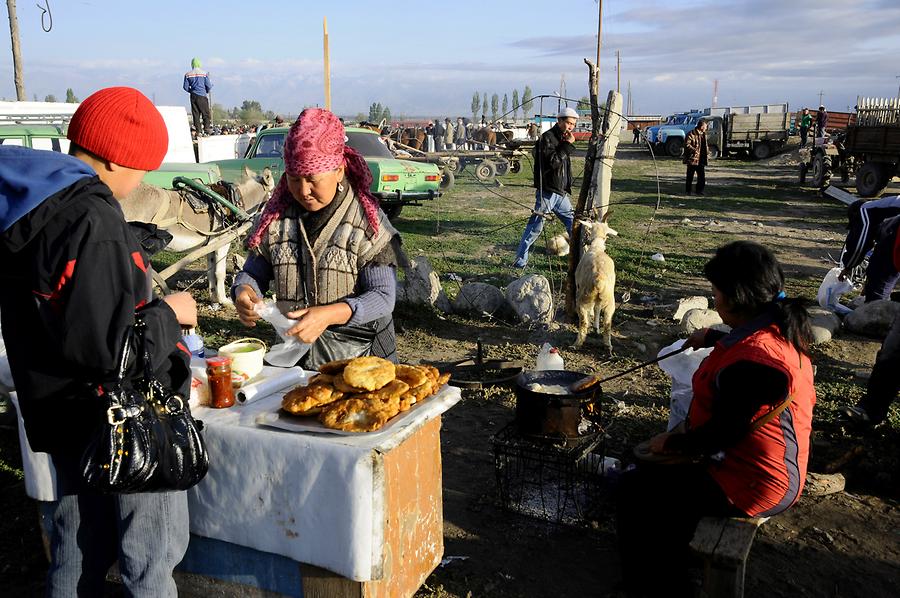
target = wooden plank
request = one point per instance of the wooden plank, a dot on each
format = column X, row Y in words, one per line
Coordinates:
column 707, row 535
column 840, row 195
column 734, row 545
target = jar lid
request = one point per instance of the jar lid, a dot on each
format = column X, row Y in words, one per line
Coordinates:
column 219, row 360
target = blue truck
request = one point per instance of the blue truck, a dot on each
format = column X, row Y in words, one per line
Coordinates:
column 668, row 138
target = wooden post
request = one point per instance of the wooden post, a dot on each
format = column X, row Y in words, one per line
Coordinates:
column 327, row 65
column 18, row 77
column 589, row 161
column 602, row 182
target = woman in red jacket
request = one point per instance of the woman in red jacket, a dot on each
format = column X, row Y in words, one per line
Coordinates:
column 747, row 429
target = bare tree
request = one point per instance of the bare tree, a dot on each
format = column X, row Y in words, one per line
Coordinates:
column 16, row 50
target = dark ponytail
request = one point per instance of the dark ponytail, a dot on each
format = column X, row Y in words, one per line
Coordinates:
column 752, row 279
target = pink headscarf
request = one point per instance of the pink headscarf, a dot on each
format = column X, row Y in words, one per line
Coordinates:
column 314, row 144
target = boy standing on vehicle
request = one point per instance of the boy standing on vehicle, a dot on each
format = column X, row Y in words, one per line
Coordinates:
column 821, row 121
column 805, row 122
column 196, row 83
column 695, row 156
column 552, row 181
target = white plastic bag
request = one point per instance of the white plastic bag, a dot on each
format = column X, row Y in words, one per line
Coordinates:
column 830, row 292
column 285, row 354
column 680, row 369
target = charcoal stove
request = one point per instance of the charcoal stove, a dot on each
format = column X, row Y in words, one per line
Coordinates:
column 549, row 477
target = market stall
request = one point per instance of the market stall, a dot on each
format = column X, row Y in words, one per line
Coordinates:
column 309, row 513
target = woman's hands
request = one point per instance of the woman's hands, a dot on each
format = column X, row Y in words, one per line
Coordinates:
column 658, row 443
column 184, row 306
column 697, row 339
column 314, row 320
column 245, row 301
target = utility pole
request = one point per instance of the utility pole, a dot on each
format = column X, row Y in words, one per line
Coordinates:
column 18, row 77
column 715, row 101
column 898, row 87
column 599, row 38
column 821, row 95
column 618, row 71
column 327, row 65
column 629, row 107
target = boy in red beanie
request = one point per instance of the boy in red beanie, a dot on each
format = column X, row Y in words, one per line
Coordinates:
column 74, row 276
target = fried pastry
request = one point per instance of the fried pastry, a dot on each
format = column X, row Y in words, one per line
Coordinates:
column 390, row 391
column 302, row 399
column 334, row 367
column 411, row 374
column 325, row 379
column 341, row 385
column 359, row 415
column 370, row 373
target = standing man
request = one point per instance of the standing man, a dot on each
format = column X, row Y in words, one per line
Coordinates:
column 196, row 83
column 438, row 133
column 821, row 121
column 695, row 156
column 805, row 122
column 552, row 181
column 448, row 134
column 636, row 133
column 461, row 137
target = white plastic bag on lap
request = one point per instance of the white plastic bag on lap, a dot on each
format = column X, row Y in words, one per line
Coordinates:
column 287, row 353
column 830, row 292
column 680, row 369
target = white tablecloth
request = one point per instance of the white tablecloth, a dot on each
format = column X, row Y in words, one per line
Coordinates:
column 316, row 498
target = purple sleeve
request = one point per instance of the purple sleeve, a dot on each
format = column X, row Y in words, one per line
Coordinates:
column 257, row 273
column 378, row 291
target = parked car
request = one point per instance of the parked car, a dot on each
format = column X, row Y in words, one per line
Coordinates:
column 52, row 137
column 395, row 183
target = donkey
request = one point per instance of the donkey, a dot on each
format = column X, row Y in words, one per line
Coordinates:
column 166, row 208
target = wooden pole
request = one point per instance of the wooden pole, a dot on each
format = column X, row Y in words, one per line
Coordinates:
column 18, row 77
column 588, row 175
column 618, row 72
column 327, row 65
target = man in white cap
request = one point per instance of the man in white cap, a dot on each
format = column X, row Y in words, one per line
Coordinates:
column 552, row 181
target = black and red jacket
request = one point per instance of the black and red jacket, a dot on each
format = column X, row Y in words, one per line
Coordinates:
column 73, row 276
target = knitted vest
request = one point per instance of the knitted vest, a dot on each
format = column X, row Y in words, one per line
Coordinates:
column 327, row 271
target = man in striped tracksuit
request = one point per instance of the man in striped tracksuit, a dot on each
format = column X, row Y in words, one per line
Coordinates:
column 873, row 222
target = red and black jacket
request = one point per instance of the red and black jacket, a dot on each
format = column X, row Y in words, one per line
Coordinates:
column 74, row 275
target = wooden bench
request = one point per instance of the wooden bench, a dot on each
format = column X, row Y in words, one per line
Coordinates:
column 724, row 544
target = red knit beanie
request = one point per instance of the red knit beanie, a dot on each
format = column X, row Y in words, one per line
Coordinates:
column 121, row 125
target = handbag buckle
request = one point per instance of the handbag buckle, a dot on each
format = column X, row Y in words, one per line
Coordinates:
column 116, row 415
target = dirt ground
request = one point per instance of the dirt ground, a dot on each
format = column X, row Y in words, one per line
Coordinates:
column 845, row 544
column 841, row 545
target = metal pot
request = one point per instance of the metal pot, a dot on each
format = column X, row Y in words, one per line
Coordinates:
column 545, row 414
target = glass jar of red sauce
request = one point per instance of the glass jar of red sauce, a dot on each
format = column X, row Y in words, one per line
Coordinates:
column 218, row 372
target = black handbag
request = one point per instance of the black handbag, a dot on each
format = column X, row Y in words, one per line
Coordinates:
column 149, row 441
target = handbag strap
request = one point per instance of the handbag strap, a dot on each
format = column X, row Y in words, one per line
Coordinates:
column 759, row 423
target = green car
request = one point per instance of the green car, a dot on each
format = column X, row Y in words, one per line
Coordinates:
column 394, row 182
column 51, row 137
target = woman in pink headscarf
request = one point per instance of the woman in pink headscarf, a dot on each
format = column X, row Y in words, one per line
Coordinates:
column 324, row 248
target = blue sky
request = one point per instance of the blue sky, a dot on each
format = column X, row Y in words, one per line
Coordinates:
column 427, row 58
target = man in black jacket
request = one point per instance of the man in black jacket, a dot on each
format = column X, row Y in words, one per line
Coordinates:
column 552, row 181
column 74, row 276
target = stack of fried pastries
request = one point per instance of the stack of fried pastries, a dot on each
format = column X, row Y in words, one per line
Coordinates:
column 363, row 393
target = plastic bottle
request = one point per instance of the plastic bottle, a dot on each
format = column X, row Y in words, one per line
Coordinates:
column 194, row 343
column 548, row 358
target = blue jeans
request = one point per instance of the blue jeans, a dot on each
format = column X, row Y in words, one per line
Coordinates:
column 147, row 533
column 543, row 204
